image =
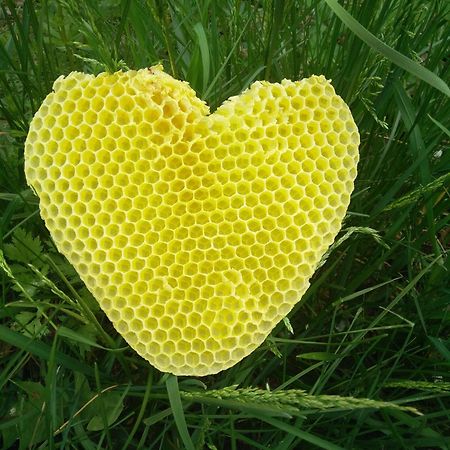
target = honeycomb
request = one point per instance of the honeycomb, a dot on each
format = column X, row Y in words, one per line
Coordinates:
column 197, row 233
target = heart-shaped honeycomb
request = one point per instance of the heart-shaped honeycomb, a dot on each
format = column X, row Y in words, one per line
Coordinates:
column 196, row 233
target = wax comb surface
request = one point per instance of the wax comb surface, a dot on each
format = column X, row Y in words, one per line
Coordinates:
column 196, row 233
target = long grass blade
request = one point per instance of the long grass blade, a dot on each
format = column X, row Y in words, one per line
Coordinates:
column 178, row 412
column 393, row 55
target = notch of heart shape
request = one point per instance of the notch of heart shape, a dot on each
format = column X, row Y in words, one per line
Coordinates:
column 196, row 232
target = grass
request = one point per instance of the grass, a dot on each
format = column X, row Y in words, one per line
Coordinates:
column 368, row 362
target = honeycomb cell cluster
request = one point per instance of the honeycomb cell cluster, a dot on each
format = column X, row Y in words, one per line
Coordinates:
column 197, row 233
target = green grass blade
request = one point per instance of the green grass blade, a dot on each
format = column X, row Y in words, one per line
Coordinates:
column 141, row 413
column 308, row 437
column 442, row 346
column 204, row 51
column 394, row 56
column 441, row 126
column 41, row 350
column 178, row 412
